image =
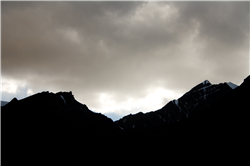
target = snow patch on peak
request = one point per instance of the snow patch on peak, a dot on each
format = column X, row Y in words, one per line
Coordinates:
column 63, row 99
column 206, row 82
column 176, row 102
column 233, row 86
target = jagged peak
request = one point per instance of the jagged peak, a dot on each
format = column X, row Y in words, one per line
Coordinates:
column 201, row 85
column 67, row 97
column 65, row 93
column 14, row 99
column 206, row 82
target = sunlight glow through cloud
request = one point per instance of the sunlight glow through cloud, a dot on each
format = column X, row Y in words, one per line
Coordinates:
column 155, row 99
column 11, row 86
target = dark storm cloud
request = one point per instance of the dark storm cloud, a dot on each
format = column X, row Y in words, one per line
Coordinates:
column 224, row 25
column 123, row 48
column 224, row 30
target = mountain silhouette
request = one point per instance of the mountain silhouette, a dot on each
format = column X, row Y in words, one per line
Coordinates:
column 198, row 98
column 55, row 129
column 48, row 124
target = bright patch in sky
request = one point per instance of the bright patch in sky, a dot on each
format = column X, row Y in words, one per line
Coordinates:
column 11, row 86
column 155, row 99
column 30, row 92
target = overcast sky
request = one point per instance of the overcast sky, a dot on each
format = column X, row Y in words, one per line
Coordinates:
column 121, row 57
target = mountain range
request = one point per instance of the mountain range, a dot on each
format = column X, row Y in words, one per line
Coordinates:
column 55, row 129
column 198, row 98
column 3, row 103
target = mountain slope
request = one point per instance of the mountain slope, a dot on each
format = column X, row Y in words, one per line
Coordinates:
column 198, row 98
column 217, row 133
column 51, row 124
column 55, row 129
column 3, row 103
column 62, row 104
column 228, row 113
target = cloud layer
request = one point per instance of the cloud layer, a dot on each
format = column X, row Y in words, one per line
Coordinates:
column 115, row 55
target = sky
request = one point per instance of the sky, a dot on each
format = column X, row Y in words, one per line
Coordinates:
column 121, row 58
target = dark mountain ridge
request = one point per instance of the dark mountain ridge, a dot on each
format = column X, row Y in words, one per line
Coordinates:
column 55, row 129
column 48, row 124
column 198, row 98
column 45, row 105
